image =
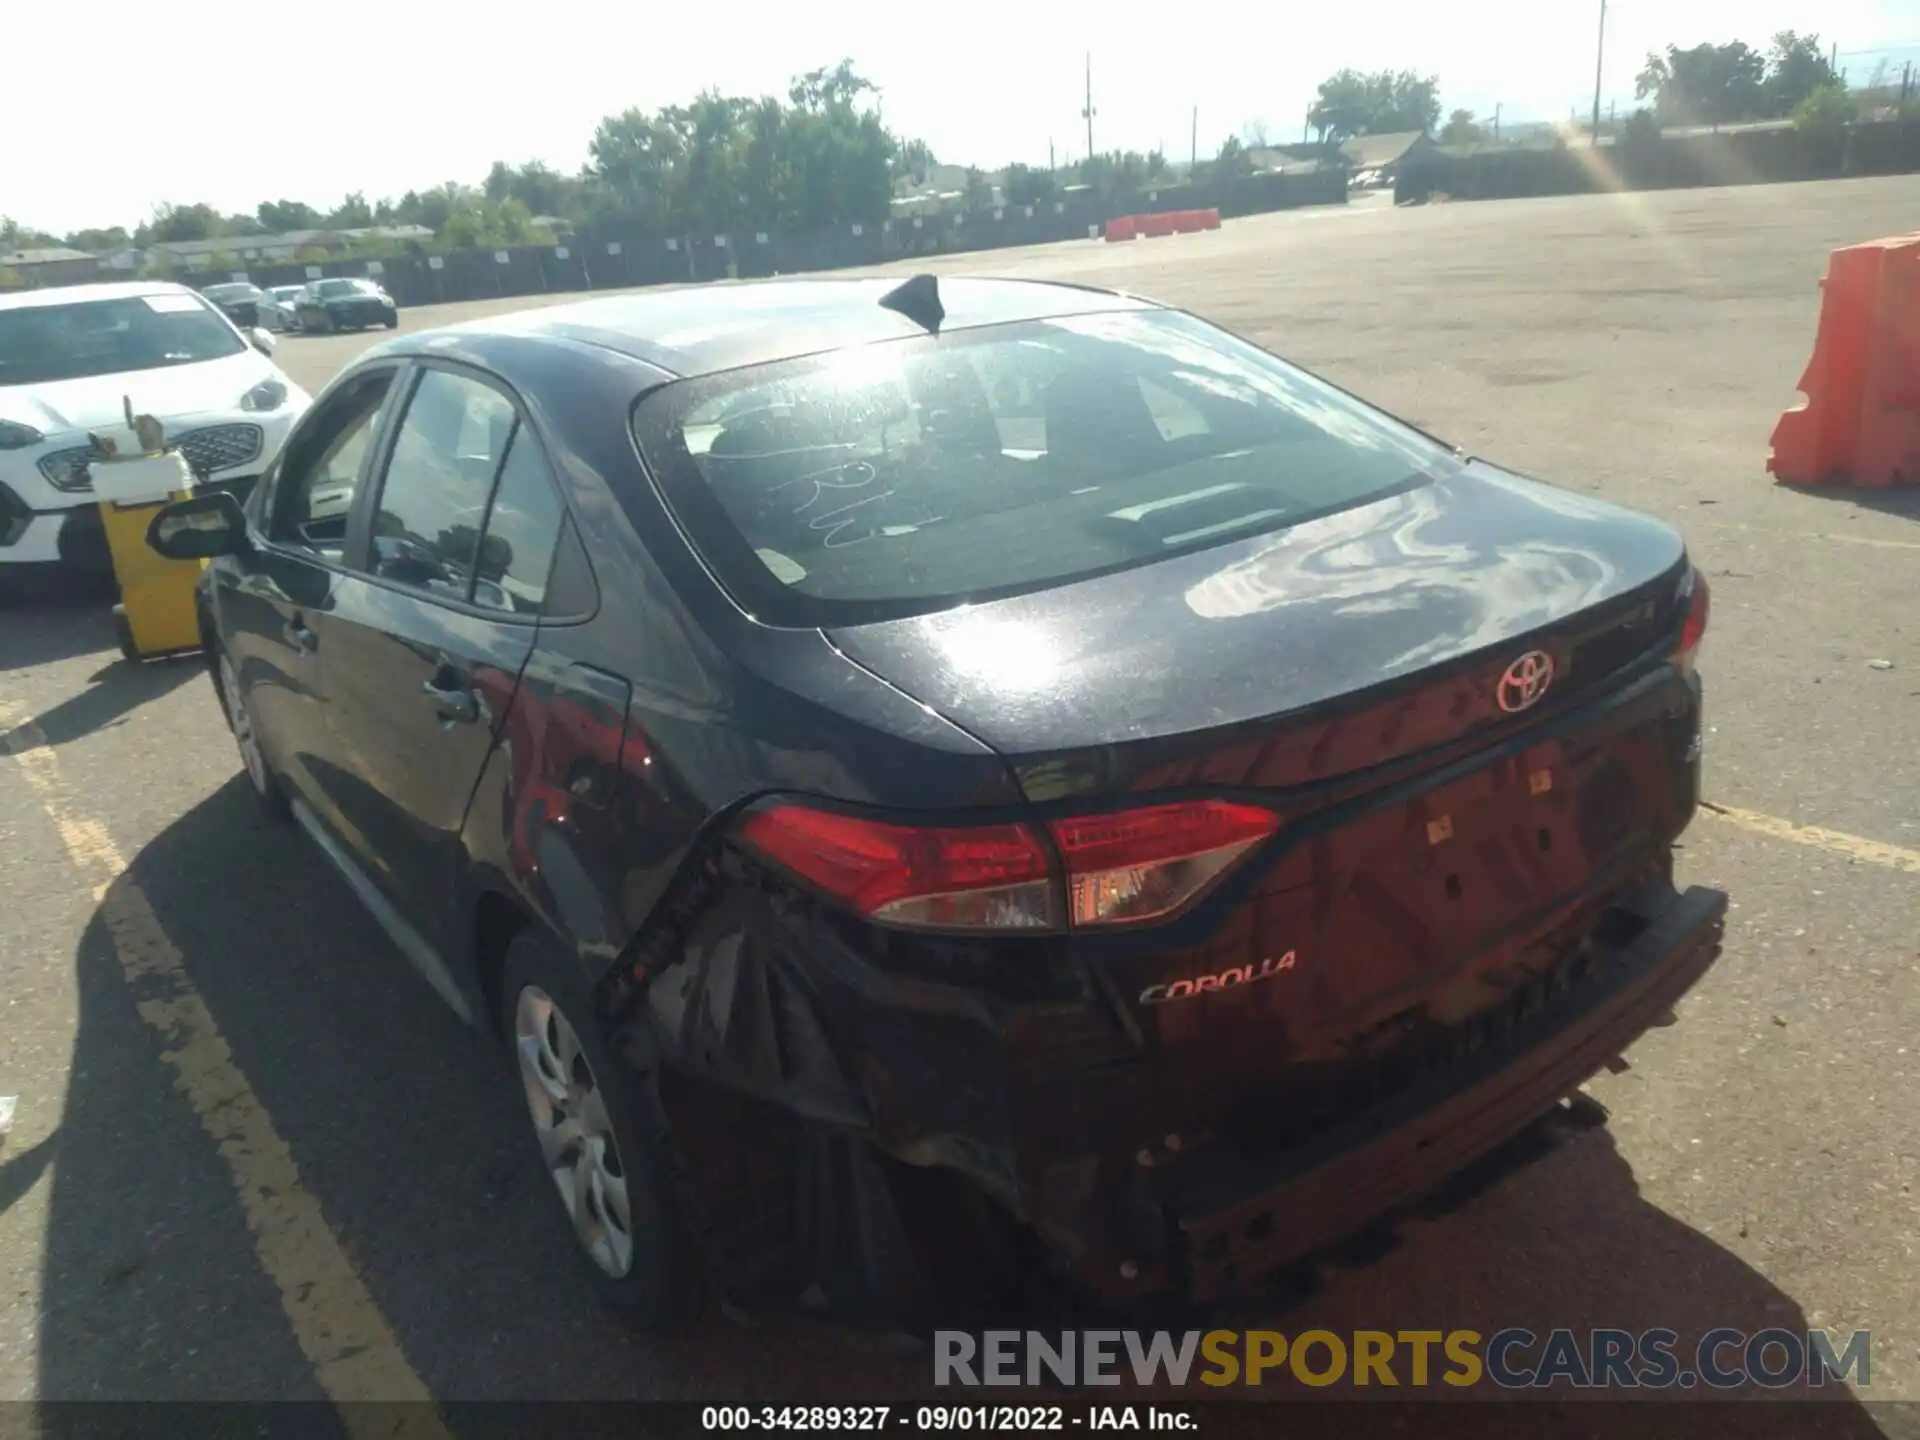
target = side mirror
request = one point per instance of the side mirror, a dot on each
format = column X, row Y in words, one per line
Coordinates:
column 199, row 528
column 262, row 340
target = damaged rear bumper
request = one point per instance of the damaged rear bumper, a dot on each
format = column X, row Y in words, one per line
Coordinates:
column 1232, row 1218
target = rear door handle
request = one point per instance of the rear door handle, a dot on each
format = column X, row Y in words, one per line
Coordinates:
column 300, row 637
column 454, row 703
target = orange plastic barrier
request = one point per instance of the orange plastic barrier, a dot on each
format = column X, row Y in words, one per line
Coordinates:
column 1122, row 227
column 1188, row 222
column 1160, row 223
column 1861, row 421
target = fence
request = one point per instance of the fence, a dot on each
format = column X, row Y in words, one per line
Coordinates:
column 1662, row 162
column 614, row 258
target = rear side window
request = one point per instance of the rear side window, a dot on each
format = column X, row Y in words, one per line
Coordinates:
column 911, row 475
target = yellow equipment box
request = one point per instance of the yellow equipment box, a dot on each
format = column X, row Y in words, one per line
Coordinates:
column 155, row 615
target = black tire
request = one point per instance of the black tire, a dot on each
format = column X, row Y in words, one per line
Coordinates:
column 663, row 1284
column 123, row 636
column 261, row 780
column 393, row 322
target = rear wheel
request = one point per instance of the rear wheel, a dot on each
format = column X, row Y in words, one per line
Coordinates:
column 123, row 636
column 393, row 322
column 602, row 1139
column 266, row 787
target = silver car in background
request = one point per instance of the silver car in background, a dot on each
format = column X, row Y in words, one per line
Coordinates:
column 279, row 310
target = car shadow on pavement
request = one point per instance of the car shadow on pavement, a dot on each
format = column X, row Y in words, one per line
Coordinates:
column 1903, row 501
column 43, row 623
column 410, row 1133
column 114, row 692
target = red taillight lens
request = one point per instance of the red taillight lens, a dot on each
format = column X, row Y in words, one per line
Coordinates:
column 1694, row 629
column 1144, row 864
column 991, row 877
column 1122, row 868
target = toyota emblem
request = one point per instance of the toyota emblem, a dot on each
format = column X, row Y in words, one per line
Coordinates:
column 1525, row 682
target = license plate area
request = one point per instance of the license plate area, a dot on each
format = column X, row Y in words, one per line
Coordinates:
column 1430, row 884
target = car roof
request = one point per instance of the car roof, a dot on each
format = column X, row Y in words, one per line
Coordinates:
column 69, row 294
column 697, row 330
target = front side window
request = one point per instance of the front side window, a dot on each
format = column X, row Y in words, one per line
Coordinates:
column 43, row 344
column 907, row 476
column 433, row 504
column 320, row 468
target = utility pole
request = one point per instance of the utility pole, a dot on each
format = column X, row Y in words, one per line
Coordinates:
column 1087, row 114
column 1599, row 60
column 1193, row 145
column 1050, row 155
column 1496, row 120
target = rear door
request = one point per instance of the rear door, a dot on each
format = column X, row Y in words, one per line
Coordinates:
column 276, row 599
column 432, row 625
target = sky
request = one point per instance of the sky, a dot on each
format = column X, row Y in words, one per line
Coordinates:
column 427, row 92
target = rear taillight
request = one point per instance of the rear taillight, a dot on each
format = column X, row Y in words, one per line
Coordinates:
column 1694, row 595
column 1144, row 864
column 1122, row 868
column 975, row 877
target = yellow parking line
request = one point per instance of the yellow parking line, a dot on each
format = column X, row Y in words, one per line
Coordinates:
column 1854, row 847
column 354, row 1353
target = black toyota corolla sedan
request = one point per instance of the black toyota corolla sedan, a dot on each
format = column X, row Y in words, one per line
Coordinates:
column 966, row 768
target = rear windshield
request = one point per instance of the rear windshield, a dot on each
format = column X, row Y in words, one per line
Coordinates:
column 911, row 475
column 328, row 288
column 41, row 344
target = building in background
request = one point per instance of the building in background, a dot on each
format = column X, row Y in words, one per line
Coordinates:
column 54, row 265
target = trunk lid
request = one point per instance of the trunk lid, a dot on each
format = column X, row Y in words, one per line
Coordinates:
column 1301, row 656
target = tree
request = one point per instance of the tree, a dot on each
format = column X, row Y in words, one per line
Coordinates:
column 1797, row 67
column 1706, row 85
column 913, row 161
column 1829, row 108
column 1233, row 160
column 15, row 236
column 1351, row 103
column 537, row 185
column 96, row 242
column 1461, row 129
column 174, row 223
column 979, row 192
column 280, row 217
column 1156, row 165
column 1025, row 185
column 353, row 213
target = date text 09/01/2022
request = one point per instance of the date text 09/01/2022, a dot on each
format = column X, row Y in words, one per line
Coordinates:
column 1017, row 1419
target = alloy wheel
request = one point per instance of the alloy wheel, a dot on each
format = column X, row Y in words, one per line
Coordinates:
column 575, row 1131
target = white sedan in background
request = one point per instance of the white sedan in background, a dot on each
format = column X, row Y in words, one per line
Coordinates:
column 70, row 361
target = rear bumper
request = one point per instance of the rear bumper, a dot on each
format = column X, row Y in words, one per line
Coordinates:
column 1233, row 1220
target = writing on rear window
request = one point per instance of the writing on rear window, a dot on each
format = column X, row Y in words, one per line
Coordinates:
column 916, row 473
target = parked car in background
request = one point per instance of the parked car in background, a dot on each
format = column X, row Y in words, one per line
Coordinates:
column 239, row 301
column 72, row 359
column 280, row 310
column 1016, row 765
column 345, row 304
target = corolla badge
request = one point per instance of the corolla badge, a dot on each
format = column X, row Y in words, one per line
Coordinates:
column 1226, row 979
column 1525, row 682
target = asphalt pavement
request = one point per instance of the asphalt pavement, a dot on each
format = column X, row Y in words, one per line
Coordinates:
column 255, row 1158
